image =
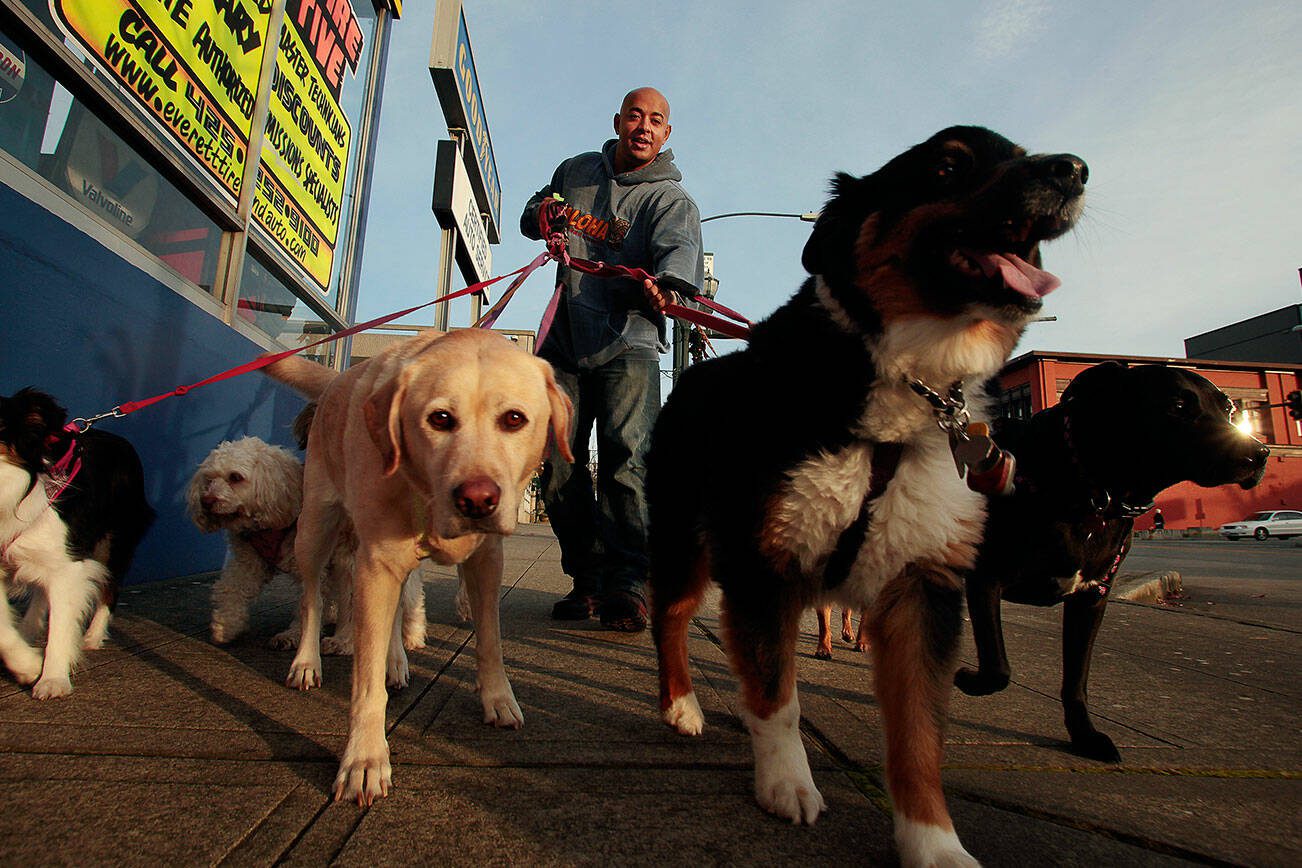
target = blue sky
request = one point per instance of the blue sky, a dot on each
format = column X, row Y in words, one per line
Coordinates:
column 1188, row 113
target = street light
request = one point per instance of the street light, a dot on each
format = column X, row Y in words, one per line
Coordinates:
column 807, row 217
column 711, row 288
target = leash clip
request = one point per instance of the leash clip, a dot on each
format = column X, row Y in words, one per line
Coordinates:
column 83, row 424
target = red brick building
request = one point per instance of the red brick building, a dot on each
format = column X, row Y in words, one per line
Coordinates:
column 1035, row 380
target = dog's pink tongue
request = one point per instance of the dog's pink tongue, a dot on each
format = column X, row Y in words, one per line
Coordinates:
column 1018, row 274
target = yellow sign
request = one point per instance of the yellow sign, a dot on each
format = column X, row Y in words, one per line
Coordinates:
column 305, row 153
column 192, row 66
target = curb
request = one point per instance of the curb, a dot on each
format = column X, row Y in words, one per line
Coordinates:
column 1147, row 587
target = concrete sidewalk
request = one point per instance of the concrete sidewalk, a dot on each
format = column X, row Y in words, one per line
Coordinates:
column 172, row 751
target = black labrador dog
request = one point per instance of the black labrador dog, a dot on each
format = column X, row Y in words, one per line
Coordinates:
column 1085, row 469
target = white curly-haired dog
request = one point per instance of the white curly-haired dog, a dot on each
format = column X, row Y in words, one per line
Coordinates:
column 254, row 492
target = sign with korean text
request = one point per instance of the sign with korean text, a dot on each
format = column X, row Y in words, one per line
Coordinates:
column 452, row 67
column 192, row 66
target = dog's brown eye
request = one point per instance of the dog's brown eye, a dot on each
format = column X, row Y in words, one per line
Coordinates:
column 442, row 420
column 235, row 477
column 513, row 420
column 952, row 167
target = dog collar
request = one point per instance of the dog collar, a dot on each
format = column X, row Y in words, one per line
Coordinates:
column 269, row 541
column 988, row 469
column 1102, row 502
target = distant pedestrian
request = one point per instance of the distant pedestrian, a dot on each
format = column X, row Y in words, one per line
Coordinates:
column 625, row 206
column 1159, row 523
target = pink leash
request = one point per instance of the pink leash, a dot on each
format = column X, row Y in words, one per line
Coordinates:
column 557, row 250
column 262, row 361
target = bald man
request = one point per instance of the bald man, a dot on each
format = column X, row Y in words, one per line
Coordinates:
column 624, row 205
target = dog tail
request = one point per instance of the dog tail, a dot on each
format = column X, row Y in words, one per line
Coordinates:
column 304, row 376
column 303, row 424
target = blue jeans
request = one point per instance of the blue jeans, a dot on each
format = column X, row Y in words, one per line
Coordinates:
column 603, row 532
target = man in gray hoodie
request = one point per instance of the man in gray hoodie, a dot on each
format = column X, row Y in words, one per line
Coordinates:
column 622, row 206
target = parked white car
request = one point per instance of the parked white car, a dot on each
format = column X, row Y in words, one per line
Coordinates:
column 1263, row 525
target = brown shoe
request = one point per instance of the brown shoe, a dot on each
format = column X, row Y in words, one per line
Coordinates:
column 624, row 611
column 574, row 606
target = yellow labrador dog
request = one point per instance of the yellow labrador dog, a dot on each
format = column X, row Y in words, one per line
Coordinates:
column 427, row 447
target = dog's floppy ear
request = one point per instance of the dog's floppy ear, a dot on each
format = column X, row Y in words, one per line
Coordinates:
column 1094, row 383
column 562, row 409
column 830, row 249
column 382, row 411
column 193, row 493
column 277, row 485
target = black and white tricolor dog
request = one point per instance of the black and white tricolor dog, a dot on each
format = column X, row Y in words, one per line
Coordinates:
column 833, row 480
column 1086, row 468
column 70, row 553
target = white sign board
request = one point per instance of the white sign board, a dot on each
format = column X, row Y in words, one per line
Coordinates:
column 455, row 204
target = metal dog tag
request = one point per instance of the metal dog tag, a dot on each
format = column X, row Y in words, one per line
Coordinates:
column 972, row 447
column 974, row 450
column 957, row 437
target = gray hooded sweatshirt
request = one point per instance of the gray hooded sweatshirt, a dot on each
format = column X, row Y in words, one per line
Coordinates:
column 640, row 219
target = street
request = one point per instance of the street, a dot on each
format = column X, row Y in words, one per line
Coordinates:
column 1244, row 580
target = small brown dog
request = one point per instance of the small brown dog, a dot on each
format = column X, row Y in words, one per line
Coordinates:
column 427, row 448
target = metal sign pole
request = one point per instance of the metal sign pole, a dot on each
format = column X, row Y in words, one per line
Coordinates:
column 447, row 257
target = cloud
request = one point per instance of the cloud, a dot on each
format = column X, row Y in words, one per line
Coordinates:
column 1003, row 27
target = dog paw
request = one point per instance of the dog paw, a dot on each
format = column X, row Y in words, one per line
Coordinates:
column 414, row 638
column 974, row 683
column 922, row 845
column 304, row 674
column 25, row 664
column 847, row 636
column 337, row 645
column 821, row 653
column 223, row 633
column 684, row 715
column 364, row 775
column 860, row 647
column 1096, row 746
column 500, row 708
column 286, row 641
column 793, row 798
column 397, row 674
column 52, row 688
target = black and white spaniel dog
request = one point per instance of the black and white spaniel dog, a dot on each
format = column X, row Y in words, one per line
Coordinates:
column 72, row 510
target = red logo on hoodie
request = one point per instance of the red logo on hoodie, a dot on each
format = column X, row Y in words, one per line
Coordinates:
column 608, row 232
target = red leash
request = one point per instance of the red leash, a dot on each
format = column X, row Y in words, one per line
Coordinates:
column 738, row 327
column 556, row 249
column 84, row 424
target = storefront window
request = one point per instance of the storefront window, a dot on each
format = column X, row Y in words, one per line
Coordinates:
column 269, row 305
column 43, row 127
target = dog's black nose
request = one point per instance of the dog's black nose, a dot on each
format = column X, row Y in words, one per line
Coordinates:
column 477, row 498
column 1258, row 457
column 1067, row 172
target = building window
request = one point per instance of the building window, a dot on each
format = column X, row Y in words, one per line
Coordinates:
column 57, row 137
column 1253, row 417
column 1015, row 403
column 268, row 304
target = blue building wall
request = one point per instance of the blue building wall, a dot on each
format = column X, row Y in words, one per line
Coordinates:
column 94, row 331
